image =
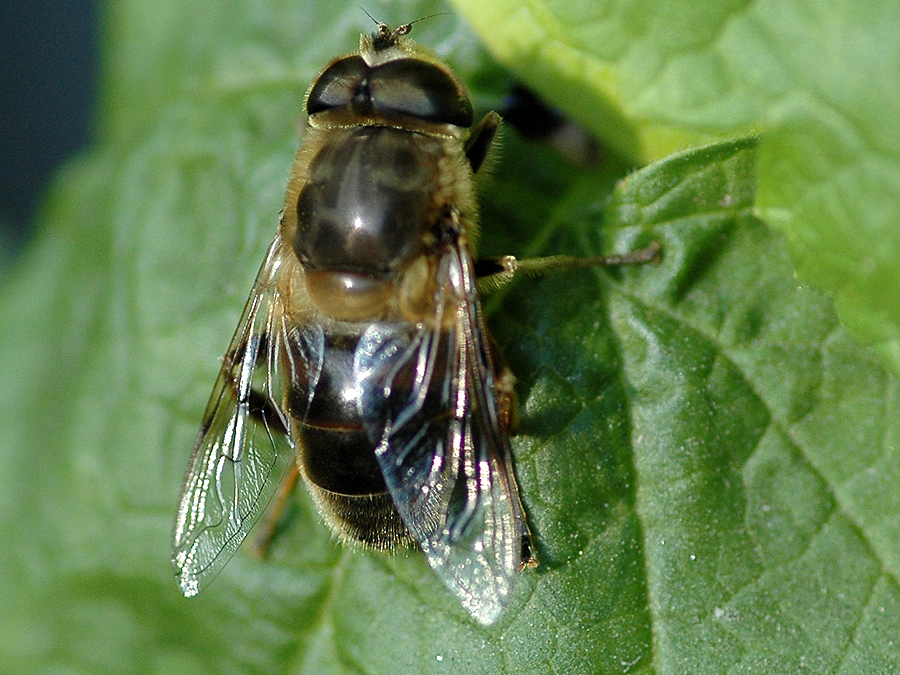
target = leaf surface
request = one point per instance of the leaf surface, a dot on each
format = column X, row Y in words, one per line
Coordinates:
column 707, row 459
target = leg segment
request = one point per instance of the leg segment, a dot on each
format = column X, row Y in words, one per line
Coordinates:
column 266, row 532
column 480, row 138
column 493, row 273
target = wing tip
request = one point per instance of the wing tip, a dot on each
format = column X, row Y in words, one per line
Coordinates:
column 485, row 612
column 187, row 582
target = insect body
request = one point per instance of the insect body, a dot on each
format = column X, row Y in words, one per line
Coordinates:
column 363, row 341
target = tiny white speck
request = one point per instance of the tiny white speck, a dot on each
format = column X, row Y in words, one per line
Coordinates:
column 439, row 657
column 718, row 612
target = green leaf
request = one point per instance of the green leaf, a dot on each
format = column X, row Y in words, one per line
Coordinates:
column 819, row 81
column 707, row 460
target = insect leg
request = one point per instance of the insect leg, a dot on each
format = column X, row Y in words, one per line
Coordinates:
column 479, row 141
column 492, row 273
column 507, row 399
column 260, row 545
column 507, row 405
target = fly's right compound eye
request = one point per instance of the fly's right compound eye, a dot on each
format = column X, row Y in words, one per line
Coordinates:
column 422, row 90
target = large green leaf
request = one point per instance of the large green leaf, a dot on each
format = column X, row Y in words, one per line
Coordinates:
column 820, row 80
column 707, row 459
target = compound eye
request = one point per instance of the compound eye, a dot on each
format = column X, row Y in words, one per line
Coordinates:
column 422, row 90
column 339, row 85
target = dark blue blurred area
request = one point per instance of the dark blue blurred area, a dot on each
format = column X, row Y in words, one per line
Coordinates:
column 48, row 79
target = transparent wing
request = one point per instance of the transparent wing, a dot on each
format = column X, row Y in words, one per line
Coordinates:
column 430, row 408
column 241, row 452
